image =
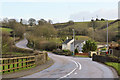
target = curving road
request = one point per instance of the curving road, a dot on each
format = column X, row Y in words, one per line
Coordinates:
column 23, row 44
column 71, row 67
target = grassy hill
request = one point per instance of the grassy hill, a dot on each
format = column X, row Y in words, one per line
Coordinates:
column 85, row 25
column 86, row 29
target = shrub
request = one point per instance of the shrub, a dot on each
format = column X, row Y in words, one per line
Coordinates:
column 57, row 51
column 89, row 46
column 76, row 51
column 6, row 42
column 62, row 52
column 48, row 46
column 107, row 58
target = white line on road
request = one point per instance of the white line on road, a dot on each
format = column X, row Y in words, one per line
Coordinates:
column 75, row 62
column 75, row 73
column 77, row 65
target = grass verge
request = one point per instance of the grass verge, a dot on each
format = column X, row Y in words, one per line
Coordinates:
column 81, row 56
column 116, row 66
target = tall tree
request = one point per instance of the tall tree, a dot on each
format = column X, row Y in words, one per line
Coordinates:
column 42, row 22
column 32, row 21
column 70, row 22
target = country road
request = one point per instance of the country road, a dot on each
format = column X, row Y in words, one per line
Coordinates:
column 71, row 67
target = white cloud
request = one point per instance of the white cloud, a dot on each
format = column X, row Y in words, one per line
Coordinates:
column 101, row 13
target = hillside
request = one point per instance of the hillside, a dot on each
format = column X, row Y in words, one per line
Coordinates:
column 100, row 24
column 86, row 29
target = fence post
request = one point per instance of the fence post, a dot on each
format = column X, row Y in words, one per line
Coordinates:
column 17, row 63
column 13, row 65
column 3, row 66
column 26, row 63
column 8, row 65
column 46, row 56
column 22, row 62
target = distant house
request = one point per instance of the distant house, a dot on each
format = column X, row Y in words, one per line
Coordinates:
column 69, row 45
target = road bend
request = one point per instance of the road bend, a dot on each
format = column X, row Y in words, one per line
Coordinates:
column 71, row 67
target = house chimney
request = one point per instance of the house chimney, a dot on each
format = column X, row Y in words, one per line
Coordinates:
column 67, row 37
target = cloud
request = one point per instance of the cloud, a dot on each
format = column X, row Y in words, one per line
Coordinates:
column 101, row 13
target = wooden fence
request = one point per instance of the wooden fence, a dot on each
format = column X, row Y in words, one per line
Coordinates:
column 16, row 63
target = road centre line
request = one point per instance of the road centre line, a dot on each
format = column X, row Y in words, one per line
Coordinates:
column 77, row 65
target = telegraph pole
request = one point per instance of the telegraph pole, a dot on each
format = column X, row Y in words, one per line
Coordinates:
column 14, row 38
column 73, row 42
column 107, row 36
column 93, row 26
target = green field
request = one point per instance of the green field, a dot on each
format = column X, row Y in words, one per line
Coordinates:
column 57, row 40
column 86, row 25
column 6, row 29
column 82, row 37
column 116, row 66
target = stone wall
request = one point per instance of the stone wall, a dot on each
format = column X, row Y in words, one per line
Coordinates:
column 40, row 57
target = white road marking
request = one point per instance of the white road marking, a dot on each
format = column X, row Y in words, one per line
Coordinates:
column 71, row 71
column 75, row 63
column 79, row 66
column 75, row 73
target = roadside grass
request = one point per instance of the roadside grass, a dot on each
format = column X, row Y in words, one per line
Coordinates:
column 116, row 66
column 81, row 56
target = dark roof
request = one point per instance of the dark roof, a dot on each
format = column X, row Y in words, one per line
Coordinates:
column 78, row 41
column 66, row 41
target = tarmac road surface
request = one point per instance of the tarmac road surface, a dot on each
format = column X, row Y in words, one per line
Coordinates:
column 71, row 67
column 74, row 67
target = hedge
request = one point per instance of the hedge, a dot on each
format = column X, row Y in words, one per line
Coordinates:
column 103, row 59
column 21, row 50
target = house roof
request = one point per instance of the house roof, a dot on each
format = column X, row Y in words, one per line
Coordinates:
column 66, row 41
column 78, row 41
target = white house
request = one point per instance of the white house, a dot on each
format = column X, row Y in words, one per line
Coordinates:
column 68, row 45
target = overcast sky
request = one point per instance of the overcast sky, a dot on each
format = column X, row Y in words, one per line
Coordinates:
column 59, row 10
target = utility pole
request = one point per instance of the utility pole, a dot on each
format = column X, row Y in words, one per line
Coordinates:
column 14, row 38
column 73, row 42
column 93, row 26
column 107, row 36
